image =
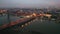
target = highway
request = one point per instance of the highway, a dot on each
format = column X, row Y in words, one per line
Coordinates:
column 20, row 22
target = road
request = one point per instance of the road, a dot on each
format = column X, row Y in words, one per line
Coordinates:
column 12, row 22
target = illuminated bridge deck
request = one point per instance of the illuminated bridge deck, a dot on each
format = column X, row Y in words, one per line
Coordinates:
column 14, row 21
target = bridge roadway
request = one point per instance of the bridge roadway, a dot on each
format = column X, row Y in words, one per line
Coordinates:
column 17, row 22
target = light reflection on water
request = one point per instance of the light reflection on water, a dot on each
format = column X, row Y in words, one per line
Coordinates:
column 46, row 26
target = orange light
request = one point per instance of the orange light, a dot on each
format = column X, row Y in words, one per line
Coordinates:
column 27, row 16
column 48, row 15
column 34, row 14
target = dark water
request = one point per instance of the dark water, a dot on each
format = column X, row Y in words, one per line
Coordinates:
column 46, row 27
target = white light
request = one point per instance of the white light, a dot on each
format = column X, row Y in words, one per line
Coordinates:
column 29, row 22
column 22, row 26
column 28, row 16
column 26, row 24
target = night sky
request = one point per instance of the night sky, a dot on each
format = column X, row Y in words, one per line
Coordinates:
column 28, row 3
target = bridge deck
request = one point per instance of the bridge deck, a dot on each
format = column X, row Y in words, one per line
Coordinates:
column 12, row 23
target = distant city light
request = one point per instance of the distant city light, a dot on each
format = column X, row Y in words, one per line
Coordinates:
column 28, row 16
